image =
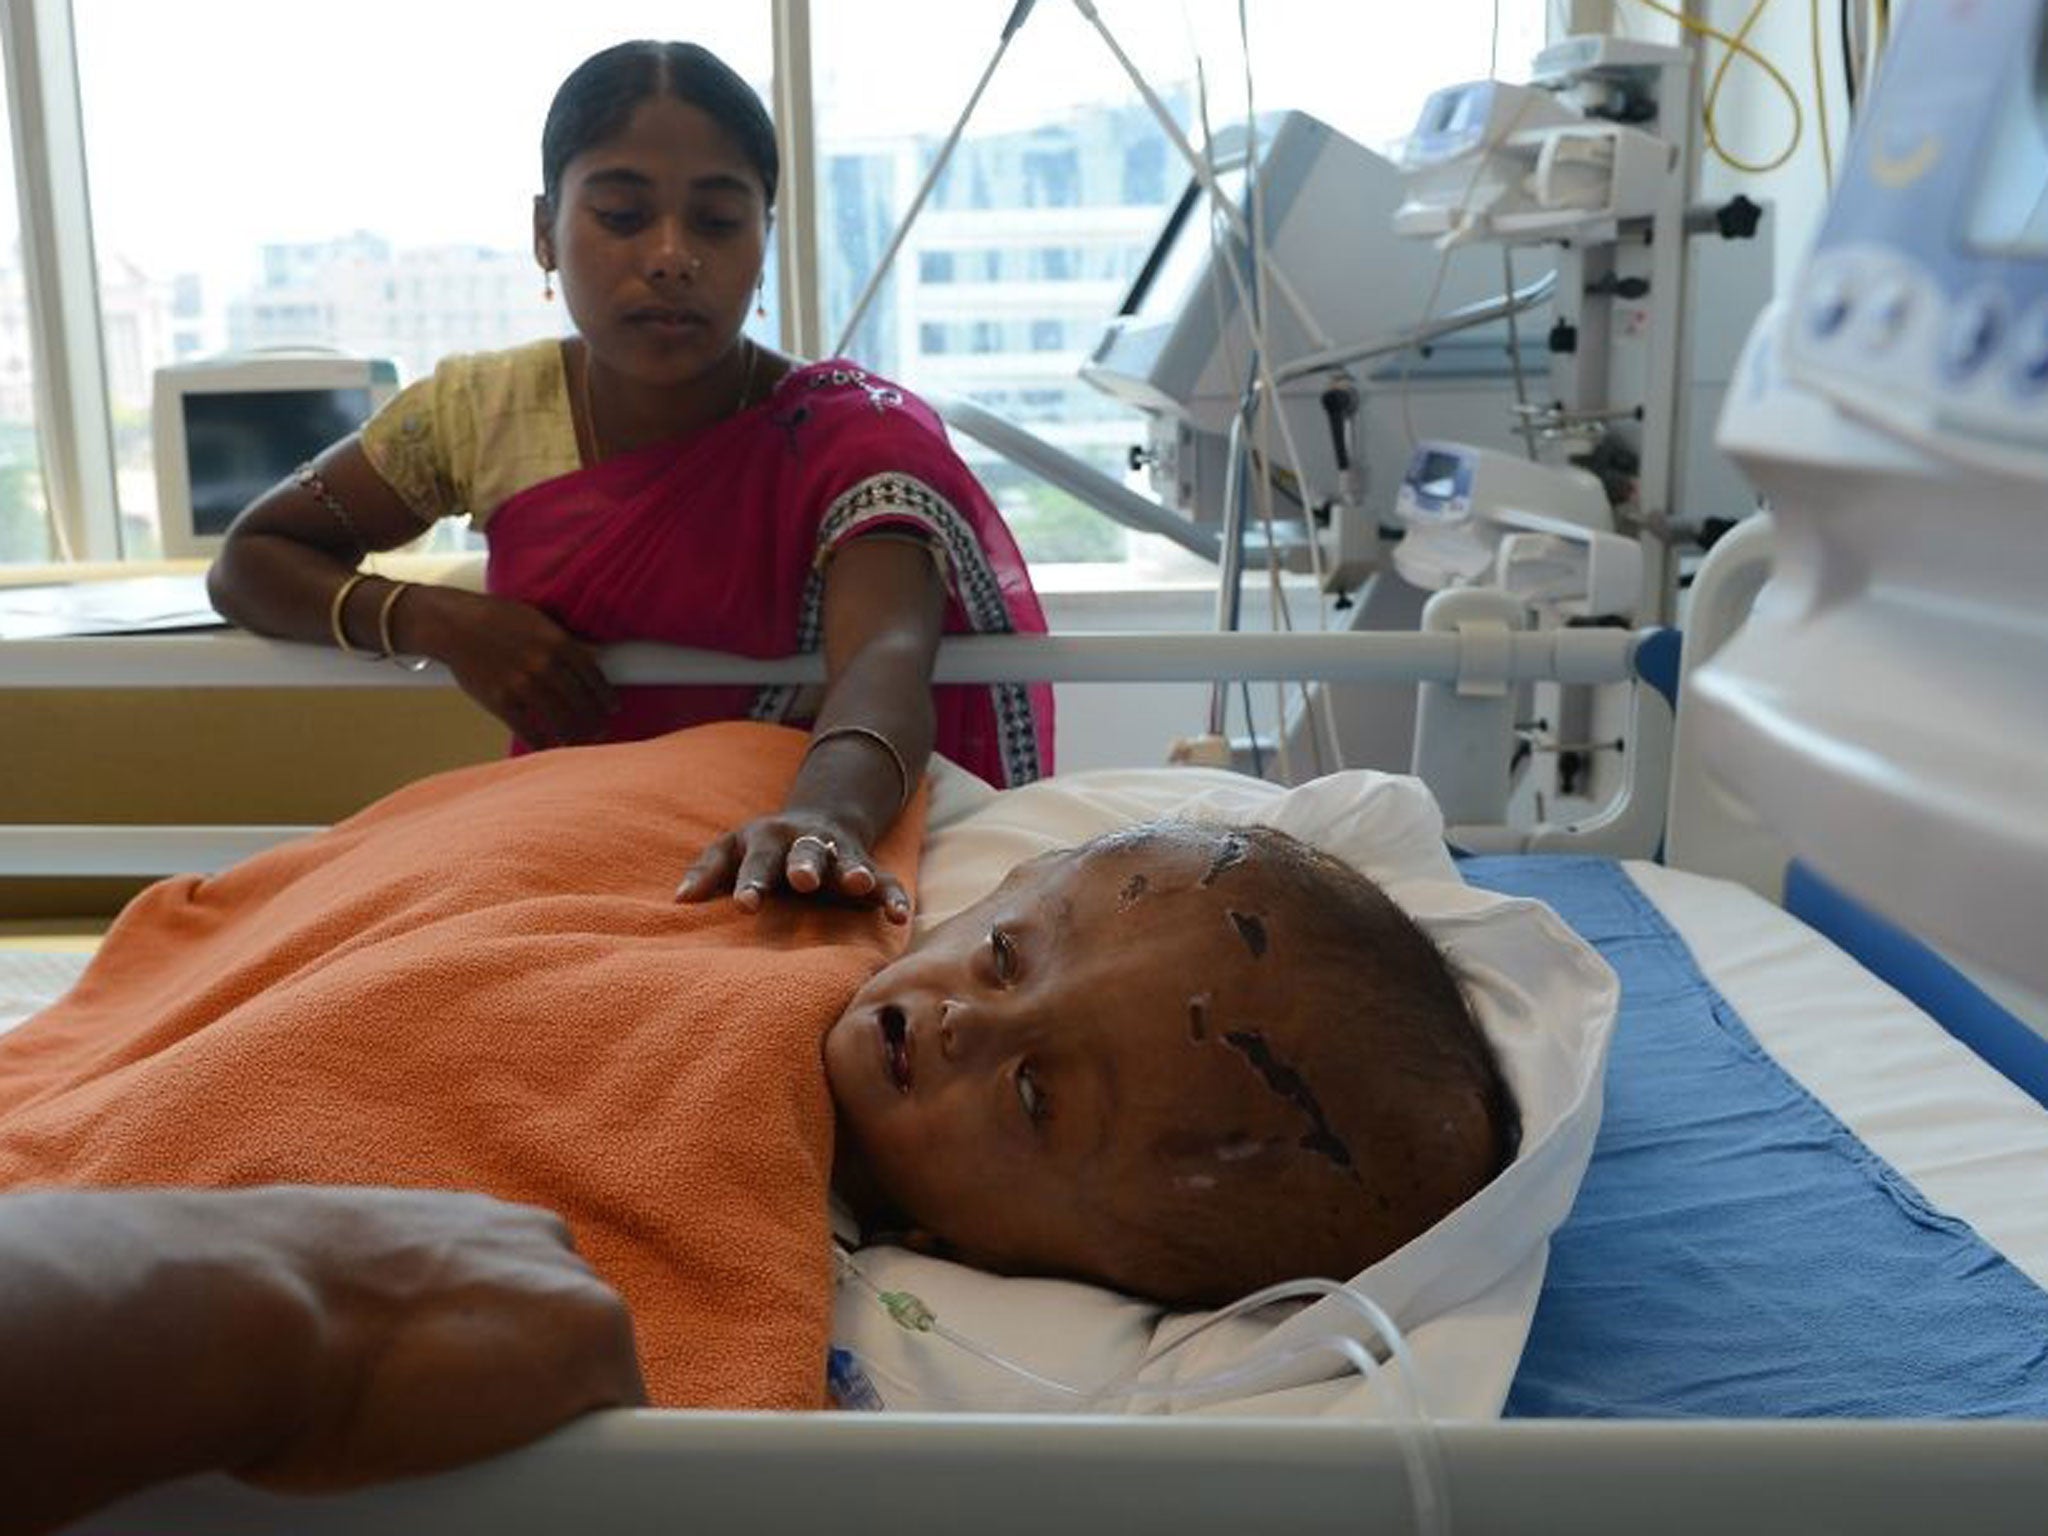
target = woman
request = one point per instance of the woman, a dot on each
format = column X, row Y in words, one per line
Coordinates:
column 660, row 476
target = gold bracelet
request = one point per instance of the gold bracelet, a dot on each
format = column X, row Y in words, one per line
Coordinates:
column 869, row 733
column 334, row 614
column 398, row 590
column 384, row 611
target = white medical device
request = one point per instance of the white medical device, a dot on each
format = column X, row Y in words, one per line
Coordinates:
column 1543, row 532
column 1181, row 346
column 1886, row 705
column 1513, row 163
column 1180, row 342
column 226, row 429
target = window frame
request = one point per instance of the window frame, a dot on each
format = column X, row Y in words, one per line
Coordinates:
column 74, row 417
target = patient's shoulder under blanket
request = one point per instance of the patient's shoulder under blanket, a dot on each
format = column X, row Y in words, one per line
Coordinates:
column 483, row 982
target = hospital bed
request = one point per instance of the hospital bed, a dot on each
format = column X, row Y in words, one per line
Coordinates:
column 1804, row 1283
column 1736, row 1329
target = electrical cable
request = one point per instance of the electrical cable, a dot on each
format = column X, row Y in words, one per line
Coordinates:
column 1820, row 96
column 1738, row 44
column 1261, row 375
column 1278, row 612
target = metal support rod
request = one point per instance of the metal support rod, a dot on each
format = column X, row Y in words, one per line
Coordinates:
column 234, row 659
column 1463, row 319
column 1074, row 475
column 931, row 179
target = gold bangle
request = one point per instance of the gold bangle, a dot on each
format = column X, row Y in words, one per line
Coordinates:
column 334, row 614
column 398, row 590
column 869, row 733
column 384, row 611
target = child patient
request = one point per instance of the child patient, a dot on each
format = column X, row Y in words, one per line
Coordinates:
column 1181, row 1061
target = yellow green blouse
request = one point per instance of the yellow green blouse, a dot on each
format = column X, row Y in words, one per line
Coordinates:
column 481, row 428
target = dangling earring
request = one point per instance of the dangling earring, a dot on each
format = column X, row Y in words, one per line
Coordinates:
column 547, row 284
column 761, row 297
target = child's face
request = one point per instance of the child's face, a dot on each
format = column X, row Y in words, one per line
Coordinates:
column 1094, row 1039
column 659, row 238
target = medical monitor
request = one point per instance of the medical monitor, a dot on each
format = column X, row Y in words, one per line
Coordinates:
column 226, row 429
column 1179, row 342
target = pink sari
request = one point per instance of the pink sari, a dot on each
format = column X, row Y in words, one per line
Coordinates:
column 721, row 541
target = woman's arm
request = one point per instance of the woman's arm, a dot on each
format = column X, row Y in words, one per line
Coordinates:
column 305, row 1338
column 287, row 569
column 884, row 608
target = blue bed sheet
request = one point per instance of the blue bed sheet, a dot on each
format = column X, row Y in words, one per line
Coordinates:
column 1735, row 1251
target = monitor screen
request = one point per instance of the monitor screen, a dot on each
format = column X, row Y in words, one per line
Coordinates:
column 240, row 443
column 1181, row 257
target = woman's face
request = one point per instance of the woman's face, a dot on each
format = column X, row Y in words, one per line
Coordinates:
column 659, row 238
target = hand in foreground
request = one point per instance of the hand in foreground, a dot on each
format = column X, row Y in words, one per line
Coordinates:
column 520, row 665
column 808, row 854
column 450, row 1327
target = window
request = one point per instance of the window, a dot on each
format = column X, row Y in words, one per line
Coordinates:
column 387, row 193
column 368, row 213
column 25, row 529
column 1056, row 265
column 1062, row 179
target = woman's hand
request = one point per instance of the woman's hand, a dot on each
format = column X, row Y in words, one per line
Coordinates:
column 800, row 851
column 513, row 660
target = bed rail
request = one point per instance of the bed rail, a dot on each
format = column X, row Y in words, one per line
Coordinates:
column 234, row 659
column 857, row 1473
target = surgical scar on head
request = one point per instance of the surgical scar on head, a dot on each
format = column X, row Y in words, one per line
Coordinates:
column 1134, row 887
column 1294, row 1088
column 1234, row 850
column 1252, row 931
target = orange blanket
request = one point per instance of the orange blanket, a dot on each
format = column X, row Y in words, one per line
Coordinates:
column 482, row 983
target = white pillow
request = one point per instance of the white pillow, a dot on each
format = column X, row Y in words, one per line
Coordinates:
column 1462, row 1292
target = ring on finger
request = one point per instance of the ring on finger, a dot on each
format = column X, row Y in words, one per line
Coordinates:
column 825, row 844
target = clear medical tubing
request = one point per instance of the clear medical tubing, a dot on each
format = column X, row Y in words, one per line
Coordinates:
column 1417, row 1434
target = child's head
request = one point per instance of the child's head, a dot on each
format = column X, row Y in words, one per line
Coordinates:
column 658, row 176
column 1183, row 1061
